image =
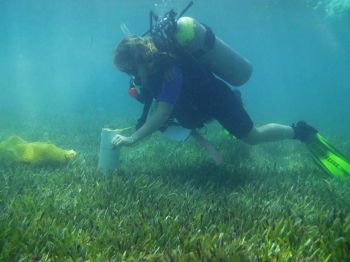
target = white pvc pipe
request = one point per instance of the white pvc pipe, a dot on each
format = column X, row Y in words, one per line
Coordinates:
column 109, row 154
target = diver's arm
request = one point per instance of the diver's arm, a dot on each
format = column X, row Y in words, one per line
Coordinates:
column 155, row 121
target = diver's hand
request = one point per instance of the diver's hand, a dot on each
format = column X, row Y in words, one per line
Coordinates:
column 119, row 140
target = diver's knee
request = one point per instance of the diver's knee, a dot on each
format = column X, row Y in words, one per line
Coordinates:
column 252, row 138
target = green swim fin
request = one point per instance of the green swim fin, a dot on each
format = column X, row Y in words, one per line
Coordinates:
column 323, row 153
column 328, row 158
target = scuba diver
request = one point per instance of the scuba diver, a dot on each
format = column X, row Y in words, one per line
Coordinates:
column 180, row 64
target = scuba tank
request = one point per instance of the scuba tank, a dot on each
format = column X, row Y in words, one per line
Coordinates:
column 180, row 35
column 200, row 42
column 185, row 35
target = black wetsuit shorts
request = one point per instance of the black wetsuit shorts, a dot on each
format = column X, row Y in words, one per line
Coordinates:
column 213, row 99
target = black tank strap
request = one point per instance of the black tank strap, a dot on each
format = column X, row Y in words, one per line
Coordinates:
column 209, row 41
column 210, row 38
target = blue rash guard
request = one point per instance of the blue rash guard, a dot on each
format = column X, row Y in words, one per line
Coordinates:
column 199, row 97
column 171, row 86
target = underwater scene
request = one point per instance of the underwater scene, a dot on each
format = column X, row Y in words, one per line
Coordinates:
column 175, row 130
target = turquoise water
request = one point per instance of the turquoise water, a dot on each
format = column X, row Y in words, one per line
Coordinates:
column 58, row 85
column 59, row 53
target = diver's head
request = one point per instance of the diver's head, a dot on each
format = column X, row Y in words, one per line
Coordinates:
column 135, row 55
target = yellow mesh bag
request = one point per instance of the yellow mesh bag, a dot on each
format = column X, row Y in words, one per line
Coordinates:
column 16, row 150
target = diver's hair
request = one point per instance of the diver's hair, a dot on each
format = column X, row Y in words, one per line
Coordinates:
column 134, row 49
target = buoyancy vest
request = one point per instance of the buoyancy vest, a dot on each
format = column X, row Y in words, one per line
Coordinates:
column 189, row 109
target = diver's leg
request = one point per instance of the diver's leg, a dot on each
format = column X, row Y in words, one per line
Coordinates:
column 211, row 150
column 227, row 108
column 232, row 115
column 268, row 133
